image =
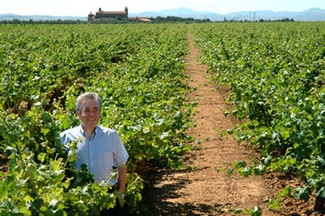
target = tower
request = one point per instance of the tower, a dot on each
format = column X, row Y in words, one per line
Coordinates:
column 126, row 11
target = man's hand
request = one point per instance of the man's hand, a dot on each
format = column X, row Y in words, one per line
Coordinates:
column 120, row 196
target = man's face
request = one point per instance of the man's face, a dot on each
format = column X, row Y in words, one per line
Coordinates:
column 89, row 115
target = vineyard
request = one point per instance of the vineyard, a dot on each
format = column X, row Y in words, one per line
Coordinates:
column 274, row 72
column 137, row 70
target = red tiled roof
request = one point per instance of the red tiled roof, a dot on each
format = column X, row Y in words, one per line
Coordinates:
column 111, row 12
column 144, row 19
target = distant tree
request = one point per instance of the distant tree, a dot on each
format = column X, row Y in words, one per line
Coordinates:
column 172, row 19
column 16, row 21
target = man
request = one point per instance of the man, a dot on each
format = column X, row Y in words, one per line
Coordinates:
column 98, row 147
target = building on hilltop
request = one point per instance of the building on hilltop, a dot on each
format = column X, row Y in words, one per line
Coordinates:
column 113, row 15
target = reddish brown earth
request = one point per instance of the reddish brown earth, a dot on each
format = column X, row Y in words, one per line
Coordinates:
column 200, row 188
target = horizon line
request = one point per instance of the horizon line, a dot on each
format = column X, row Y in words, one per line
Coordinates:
column 10, row 13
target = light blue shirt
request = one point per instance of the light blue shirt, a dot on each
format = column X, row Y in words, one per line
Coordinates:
column 104, row 150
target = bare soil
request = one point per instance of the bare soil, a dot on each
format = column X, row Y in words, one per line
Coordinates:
column 200, row 188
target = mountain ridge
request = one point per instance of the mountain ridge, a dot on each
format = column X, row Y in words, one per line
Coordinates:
column 312, row 14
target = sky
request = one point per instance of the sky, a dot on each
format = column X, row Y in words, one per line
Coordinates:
column 83, row 7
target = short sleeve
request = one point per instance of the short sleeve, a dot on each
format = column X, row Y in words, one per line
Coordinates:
column 120, row 154
column 64, row 140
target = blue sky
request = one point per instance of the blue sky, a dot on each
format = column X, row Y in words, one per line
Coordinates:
column 83, row 7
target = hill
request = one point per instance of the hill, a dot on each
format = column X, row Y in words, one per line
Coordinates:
column 313, row 14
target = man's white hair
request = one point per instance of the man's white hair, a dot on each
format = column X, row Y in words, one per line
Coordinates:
column 86, row 96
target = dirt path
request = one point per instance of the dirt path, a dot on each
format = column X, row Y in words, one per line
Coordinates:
column 203, row 190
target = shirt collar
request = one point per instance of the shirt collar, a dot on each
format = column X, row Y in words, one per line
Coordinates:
column 84, row 133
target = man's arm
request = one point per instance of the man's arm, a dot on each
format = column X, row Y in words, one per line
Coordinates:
column 121, row 171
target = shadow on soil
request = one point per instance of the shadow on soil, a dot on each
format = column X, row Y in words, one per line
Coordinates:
column 154, row 197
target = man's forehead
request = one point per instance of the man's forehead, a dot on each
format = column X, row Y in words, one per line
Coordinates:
column 90, row 103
